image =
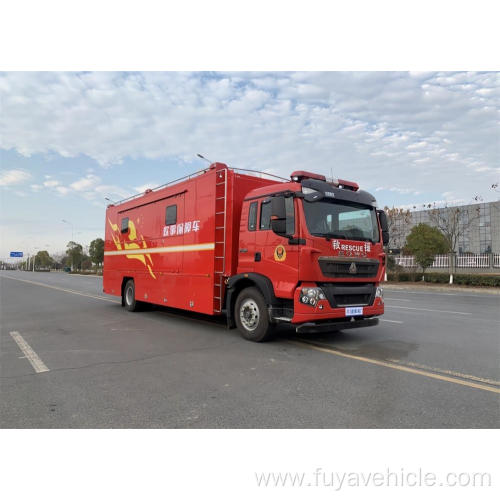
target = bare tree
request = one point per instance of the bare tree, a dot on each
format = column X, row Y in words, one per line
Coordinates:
column 453, row 223
column 399, row 221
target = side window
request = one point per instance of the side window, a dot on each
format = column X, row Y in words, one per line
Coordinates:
column 252, row 216
column 290, row 216
column 124, row 224
column 265, row 216
column 171, row 215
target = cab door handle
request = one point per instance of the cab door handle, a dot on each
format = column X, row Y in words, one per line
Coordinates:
column 258, row 256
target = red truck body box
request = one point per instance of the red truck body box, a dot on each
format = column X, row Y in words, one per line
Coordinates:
column 179, row 257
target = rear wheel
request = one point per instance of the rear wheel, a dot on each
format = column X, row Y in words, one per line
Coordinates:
column 129, row 296
column 250, row 313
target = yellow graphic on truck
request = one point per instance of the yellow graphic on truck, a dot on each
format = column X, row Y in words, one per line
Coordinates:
column 132, row 245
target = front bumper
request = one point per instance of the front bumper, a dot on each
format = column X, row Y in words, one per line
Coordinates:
column 333, row 326
column 323, row 312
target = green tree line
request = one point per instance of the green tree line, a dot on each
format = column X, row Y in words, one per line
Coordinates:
column 74, row 258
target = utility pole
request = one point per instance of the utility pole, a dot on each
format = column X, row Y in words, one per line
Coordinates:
column 72, row 236
column 34, row 257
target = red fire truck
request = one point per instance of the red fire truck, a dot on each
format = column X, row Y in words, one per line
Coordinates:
column 259, row 249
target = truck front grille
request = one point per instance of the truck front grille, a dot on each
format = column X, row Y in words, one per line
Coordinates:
column 346, row 267
column 349, row 294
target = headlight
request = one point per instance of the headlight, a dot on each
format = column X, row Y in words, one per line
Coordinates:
column 379, row 293
column 310, row 296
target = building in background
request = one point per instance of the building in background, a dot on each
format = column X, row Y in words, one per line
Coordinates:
column 478, row 227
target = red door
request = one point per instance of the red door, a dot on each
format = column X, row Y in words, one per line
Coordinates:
column 274, row 256
column 248, row 229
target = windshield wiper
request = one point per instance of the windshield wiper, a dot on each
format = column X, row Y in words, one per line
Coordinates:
column 340, row 236
column 361, row 238
column 330, row 235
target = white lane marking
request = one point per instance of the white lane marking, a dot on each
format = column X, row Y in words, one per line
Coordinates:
column 391, row 321
column 61, row 289
column 487, row 293
column 431, row 310
column 394, row 298
column 387, row 290
column 37, row 364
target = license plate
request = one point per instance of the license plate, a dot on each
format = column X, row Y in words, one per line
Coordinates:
column 353, row 311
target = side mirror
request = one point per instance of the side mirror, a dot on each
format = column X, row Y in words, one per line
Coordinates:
column 278, row 215
column 382, row 217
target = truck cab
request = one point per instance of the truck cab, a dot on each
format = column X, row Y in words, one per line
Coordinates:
column 314, row 252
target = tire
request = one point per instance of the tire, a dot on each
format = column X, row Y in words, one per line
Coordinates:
column 129, row 296
column 250, row 314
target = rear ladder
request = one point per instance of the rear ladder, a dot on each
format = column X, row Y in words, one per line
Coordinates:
column 220, row 237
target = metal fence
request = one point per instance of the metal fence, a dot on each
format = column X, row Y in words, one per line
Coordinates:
column 462, row 261
column 477, row 260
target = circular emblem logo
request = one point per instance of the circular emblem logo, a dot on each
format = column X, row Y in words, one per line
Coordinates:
column 280, row 253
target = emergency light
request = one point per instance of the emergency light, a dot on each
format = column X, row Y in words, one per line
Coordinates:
column 342, row 184
column 299, row 175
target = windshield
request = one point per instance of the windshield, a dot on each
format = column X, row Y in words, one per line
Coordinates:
column 343, row 220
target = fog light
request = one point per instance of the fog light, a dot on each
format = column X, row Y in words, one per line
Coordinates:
column 311, row 296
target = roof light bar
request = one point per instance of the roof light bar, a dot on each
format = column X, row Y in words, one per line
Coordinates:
column 299, row 175
column 343, row 184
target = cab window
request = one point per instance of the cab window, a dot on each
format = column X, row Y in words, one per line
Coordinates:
column 265, row 216
column 290, row 216
column 252, row 216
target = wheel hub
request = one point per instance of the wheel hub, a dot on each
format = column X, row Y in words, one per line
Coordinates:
column 249, row 314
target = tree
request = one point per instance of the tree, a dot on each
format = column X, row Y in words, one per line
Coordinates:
column 398, row 220
column 43, row 259
column 424, row 242
column 75, row 253
column 86, row 263
column 96, row 251
column 453, row 223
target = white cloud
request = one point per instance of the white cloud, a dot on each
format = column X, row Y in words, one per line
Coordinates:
column 50, row 184
column 362, row 125
column 13, row 177
column 86, row 183
column 148, row 185
column 62, row 190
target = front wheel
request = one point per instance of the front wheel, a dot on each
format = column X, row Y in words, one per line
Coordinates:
column 250, row 313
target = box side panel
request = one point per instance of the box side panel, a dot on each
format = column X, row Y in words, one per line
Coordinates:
column 168, row 247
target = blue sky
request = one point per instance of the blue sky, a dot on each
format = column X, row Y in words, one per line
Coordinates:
column 68, row 140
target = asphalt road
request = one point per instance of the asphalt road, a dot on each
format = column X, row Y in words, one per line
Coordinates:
column 71, row 356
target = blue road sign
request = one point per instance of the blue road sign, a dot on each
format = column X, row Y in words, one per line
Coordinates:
column 16, row 254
